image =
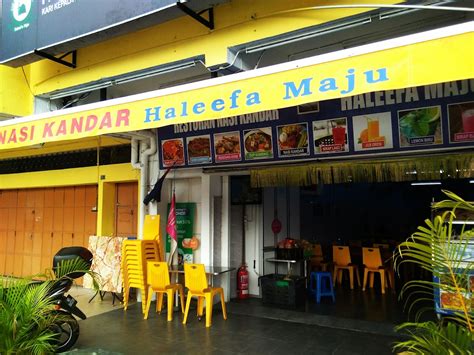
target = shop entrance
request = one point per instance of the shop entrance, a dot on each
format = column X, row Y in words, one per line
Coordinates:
column 353, row 215
column 39, row 222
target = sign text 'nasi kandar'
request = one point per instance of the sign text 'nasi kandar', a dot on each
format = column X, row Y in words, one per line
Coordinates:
column 65, row 127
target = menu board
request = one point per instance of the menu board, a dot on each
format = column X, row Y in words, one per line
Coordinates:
column 293, row 140
column 330, row 136
column 437, row 117
column 372, row 131
column 199, row 149
column 258, row 143
column 420, row 126
column 227, row 147
column 461, row 122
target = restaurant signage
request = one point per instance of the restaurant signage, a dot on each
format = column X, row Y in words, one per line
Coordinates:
column 381, row 67
column 39, row 24
column 425, row 117
column 185, row 228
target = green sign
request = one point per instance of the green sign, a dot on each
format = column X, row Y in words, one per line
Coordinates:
column 185, row 228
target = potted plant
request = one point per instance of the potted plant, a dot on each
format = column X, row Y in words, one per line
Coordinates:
column 438, row 249
column 27, row 316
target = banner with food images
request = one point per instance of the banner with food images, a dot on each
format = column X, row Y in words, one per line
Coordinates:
column 431, row 117
column 373, row 131
column 420, row 126
column 461, row 122
column 258, row 143
column 199, row 150
column 330, row 136
column 293, row 140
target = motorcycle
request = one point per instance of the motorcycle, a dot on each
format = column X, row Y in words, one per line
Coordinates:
column 66, row 326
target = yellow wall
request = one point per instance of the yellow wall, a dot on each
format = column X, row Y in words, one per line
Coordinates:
column 16, row 98
column 104, row 176
column 64, row 146
column 69, row 177
column 236, row 22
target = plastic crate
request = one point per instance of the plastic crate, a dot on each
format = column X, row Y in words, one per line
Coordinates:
column 281, row 291
column 289, row 254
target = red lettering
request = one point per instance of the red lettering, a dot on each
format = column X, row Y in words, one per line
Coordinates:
column 122, row 116
column 32, row 132
column 12, row 136
column 23, row 134
column 62, row 128
column 47, row 132
column 91, row 122
column 106, row 121
column 3, row 136
column 76, row 125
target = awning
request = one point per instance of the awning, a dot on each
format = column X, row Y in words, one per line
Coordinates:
column 425, row 58
column 433, row 167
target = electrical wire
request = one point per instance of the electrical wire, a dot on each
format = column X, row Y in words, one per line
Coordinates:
column 27, row 82
column 76, row 100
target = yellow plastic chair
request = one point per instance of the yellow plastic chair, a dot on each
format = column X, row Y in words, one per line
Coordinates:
column 196, row 283
column 158, row 280
column 342, row 261
column 151, row 227
column 135, row 254
column 373, row 264
column 317, row 258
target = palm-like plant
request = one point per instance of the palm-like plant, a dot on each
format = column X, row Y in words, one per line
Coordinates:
column 26, row 317
column 438, row 249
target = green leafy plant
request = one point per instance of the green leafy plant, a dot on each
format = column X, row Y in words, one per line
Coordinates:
column 437, row 248
column 26, row 317
column 421, row 122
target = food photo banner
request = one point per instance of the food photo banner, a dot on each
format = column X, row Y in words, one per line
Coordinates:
column 425, row 117
column 386, row 65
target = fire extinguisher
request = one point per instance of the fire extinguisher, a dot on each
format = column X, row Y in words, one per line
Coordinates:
column 243, row 282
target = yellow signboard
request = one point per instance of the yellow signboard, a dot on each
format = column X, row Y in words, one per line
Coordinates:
column 344, row 73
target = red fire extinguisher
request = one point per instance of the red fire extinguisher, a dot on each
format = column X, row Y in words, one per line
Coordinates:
column 242, row 282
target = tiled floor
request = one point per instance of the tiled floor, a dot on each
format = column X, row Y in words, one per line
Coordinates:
column 126, row 332
column 251, row 328
column 96, row 306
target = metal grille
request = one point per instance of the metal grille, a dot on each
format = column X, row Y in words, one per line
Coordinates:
column 66, row 160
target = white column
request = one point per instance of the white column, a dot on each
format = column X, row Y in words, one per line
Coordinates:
column 225, row 252
column 206, row 220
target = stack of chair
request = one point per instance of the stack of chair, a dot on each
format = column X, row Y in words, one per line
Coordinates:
column 135, row 255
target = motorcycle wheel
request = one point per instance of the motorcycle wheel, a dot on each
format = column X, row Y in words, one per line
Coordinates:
column 66, row 330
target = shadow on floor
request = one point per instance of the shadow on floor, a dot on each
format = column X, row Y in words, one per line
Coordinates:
column 363, row 311
column 126, row 332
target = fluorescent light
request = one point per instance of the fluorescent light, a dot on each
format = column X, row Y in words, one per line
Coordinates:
column 81, row 90
column 157, row 71
column 124, row 79
column 471, row 181
column 394, row 13
column 307, row 35
column 426, row 183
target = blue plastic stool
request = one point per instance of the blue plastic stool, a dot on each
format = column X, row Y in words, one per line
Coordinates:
column 318, row 283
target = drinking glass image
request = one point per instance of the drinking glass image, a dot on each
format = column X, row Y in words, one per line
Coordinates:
column 339, row 135
column 468, row 121
column 373, row 129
